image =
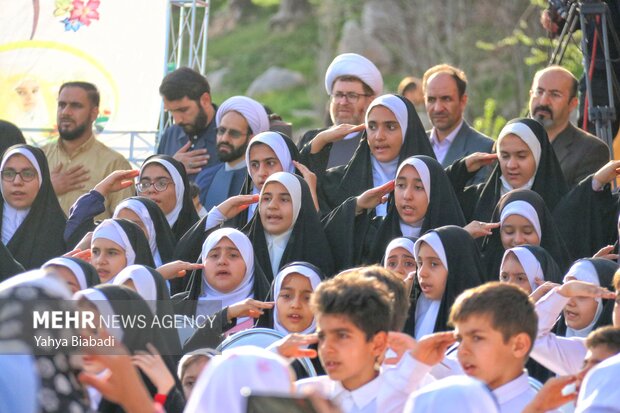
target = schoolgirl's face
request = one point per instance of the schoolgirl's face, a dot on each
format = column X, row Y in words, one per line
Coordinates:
column 293, row 303
column 517, row 230
column 579, row 312
column 516, row 161
column 432, row 274
column 129, row 215
column 410, row 196
column 263, row 163
column 108, row 258
column 158, row 177
column 276, row 209
column 401, row 261
column 192, row 371
column 19, row 191
column 512, row 272
column 224, row 267
column 67, row 276
column 385, row 137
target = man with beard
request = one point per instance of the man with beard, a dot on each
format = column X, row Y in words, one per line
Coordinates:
column 238, row 119
column 77, row 160
column 352, row 82
column 452, row 138
column 552, row 99
column 191, row 140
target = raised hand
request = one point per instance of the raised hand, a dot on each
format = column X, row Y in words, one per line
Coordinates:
column 399, row 343
column 152, row 364
column 292, row 346
column 333, row 134
column 478, row 160
column 310, row 178
column 479, row 229
column 248, row 308
column 177, row 268
column 193, row 160
column 373, row 197
column 431, row 349
column 78, row 253
column 552, row 395
column 235, row 204
column 607, row 173
column 543, row 288
column 574, row 288
column 606, row 252
column 69, row 179
column 116, row 181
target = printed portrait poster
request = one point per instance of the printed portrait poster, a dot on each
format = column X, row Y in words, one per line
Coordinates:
column 116, row 44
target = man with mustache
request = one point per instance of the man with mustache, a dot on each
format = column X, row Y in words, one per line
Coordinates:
column 77, row 160
column 191, row 140
column 552, row 99
column 238, row 119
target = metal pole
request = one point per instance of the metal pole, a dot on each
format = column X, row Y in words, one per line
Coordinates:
column 205, row 35
column 192, row 47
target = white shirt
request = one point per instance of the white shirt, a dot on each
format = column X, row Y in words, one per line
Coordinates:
column 442, row 147
column 561, row 355
column 515, row 395
column 387, row 393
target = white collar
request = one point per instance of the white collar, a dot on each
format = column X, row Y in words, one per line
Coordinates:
column 361, row 396
column 12, row 219
column 512, row 389
column 239, row 165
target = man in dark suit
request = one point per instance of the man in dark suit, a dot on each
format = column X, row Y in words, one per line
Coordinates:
column 452, row 138
column 552, row 99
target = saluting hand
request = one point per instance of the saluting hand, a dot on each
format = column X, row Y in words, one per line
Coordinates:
column 333, row 134
column 373, row 197
column 235, row 204
column 607, row 173
column 574, row 288
column 310, row 178
column 478, row 160
column 116, row 181
column 292, row 346
column 479, row 229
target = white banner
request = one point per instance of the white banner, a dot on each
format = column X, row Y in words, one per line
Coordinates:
column 116, row 44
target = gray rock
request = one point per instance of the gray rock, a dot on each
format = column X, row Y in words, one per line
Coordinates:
column 216, row 78
column 355, row 40
column 275, row 78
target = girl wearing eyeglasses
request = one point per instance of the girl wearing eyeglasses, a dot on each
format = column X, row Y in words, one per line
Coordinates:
column 32, row 222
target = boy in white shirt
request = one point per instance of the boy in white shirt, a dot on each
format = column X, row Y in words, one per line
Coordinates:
column 353, row 314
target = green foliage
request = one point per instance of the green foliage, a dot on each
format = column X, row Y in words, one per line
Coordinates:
column 490, row 123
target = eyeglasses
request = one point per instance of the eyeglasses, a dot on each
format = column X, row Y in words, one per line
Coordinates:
column 553, row 94
column 351, row 97
column 159, row 185
column 27, row 175
column 234, row 133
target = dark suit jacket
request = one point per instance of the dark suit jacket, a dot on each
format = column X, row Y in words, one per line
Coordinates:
column 467, row 141
column 580, row 154
column 319, row 162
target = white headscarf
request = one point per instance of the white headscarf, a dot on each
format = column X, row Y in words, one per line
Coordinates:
column 276, row 244
column 399, row 242
column 426, row 310
column 459, row 393
column 352, row 64
column 413, row 230
column 12, row 218
column 71, row 266
column 528, row 261
column 111, row 230
column 584, row 270
column 218, row 388
column 143, row 281
column 253, row 112
column 599, row 390
column 140, row 210
column 38, row 278
column 179, row 188
column 245, row 289
column 382, row 172
column 524, row 209
column 104, row 307
column 279, row 147
column 307, row 272
column 529, row 137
